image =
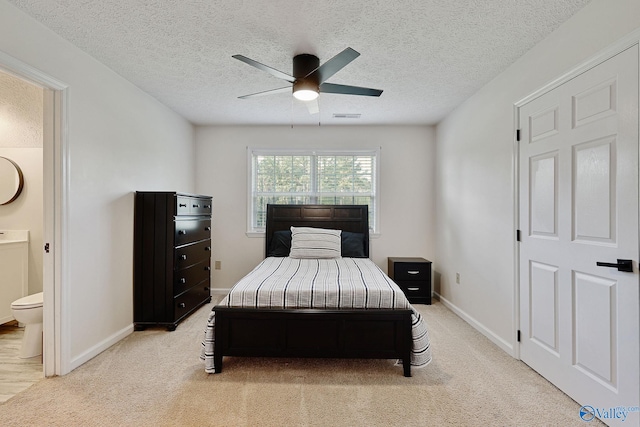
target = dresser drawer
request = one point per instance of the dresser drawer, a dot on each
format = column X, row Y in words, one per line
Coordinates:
column 200, row 207
column 183, row 205
column 186, row 256
column 191, row 205
column 188, row 277
column 411, row 271
column 191, row 230
column 189, row 300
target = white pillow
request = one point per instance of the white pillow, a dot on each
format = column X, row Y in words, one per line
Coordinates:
column 307, row 242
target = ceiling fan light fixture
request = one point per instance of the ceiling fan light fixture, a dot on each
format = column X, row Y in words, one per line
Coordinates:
column 305, row 90
column 305, row 94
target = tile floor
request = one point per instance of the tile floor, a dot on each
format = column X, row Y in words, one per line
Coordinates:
column 16, row 374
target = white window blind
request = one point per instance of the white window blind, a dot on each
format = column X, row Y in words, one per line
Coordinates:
column 341, row 178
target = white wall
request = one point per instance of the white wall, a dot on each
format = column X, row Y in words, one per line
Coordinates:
column 406, row 187
column 475, row 198
column 119, row 140
column 21, row 125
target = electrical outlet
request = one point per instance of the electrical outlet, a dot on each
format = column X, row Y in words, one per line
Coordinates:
column 458, row 278
column 218, row 265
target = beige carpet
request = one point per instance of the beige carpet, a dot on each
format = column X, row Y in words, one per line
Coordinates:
column 155, row 378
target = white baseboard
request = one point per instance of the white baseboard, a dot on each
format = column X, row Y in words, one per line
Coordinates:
column 504, row 345
column 100, row 347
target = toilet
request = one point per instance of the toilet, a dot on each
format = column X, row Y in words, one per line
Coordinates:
column 28, row 311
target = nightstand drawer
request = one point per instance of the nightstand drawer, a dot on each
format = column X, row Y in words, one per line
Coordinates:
column 414, row 289
column 412, row 271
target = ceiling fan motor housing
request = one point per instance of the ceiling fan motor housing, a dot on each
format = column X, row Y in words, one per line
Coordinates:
column 304, row 64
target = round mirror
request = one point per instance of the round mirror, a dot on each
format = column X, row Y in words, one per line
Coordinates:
column 11, row 181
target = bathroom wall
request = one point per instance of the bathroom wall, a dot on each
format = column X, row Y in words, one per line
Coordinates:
column 21, row 126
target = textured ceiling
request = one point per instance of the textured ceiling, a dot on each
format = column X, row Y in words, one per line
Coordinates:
column 427, row 55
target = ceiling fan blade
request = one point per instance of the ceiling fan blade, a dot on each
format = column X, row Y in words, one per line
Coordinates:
column 349, row 90
column 313, row 106
column 272, row 71
column 332, row 66
column 267, row 92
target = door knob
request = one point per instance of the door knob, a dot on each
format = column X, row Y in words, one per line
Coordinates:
column 622, row 265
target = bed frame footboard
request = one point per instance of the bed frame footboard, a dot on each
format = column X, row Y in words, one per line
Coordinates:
column 321, row 333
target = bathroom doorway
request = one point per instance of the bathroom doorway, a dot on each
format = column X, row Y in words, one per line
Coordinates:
column 53, row 207
column 21, row 226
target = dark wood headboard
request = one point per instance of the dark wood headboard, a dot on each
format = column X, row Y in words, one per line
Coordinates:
column 354, row 218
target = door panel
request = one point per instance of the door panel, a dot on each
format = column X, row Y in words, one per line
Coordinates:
column 544, row 305
column 595, row 189
column 578, row 186
column 595, row 335
column 544, row 195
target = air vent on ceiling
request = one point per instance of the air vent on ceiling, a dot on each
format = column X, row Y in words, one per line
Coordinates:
column 346, row 116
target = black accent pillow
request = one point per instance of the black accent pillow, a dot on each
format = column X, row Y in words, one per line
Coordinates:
column 280, row 244
column 352, row 245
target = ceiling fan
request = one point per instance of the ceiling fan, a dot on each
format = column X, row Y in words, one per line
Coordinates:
column 309, row 77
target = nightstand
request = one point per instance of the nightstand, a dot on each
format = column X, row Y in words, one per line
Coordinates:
column 413, row 276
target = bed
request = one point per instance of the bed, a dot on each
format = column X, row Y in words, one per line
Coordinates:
column 294, row 305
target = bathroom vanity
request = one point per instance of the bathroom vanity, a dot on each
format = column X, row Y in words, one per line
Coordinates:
column 14, row 269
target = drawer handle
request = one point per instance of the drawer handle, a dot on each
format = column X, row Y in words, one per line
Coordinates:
column 413, row 272
column 208, row 248
column 182, row 205
column 182, row 232
column 206, row 288
column 183, row 280
column 207, row 206
column 207, row 268
column 196, row 206
column 207, row 229
column 183, row 257
column 413, row 289
column 182, row 305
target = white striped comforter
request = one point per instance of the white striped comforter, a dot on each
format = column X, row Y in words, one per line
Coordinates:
column 319, row 283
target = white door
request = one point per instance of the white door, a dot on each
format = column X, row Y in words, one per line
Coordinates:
column 578, row 164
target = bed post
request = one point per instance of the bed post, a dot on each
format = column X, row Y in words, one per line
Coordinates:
column 217, row 345
column 406, row 359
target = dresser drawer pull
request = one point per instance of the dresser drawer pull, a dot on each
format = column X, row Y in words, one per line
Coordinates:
column 207, row 268
column 207, row 229
column 208, row 248
column 413, row 272
column 207, row 206
column 183, row 257
column 413, row 289
column 183, row 280
column 196, row 206
column 182, row 205
column 182, row 305
column 206, row 288
column 182, row 232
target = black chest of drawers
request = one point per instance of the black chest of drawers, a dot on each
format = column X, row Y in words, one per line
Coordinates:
column 172, row 257
column 413, row 276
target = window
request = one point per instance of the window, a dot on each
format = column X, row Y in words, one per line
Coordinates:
column 289, row 177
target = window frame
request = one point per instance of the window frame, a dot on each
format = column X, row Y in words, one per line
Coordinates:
column 251, row 151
